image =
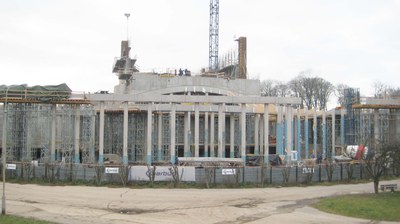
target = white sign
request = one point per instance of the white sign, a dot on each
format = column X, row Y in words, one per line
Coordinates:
column 112, row 170
column 162, row 173
column 11, row 166
column 228, row 171
column 308, row 170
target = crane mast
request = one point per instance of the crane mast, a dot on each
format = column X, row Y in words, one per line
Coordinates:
column 214, row 35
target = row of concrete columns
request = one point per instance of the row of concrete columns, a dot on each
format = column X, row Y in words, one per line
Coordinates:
column 286, row 139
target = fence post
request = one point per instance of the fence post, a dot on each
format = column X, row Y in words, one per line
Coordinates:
column 341, row 171
column 243, row 176
column 319, row 173
column 296, row 174
column 361, row 171
column 270, row 174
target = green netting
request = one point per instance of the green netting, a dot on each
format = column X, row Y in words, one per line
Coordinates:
column 41, row 93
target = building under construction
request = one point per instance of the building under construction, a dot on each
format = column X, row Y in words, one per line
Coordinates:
column 157, row 118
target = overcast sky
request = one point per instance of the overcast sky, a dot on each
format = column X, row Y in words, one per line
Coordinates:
column 48, row 42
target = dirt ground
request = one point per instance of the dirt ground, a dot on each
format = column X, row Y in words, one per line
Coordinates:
column 80, row 204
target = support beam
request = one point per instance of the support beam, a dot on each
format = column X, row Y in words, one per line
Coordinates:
column 315, row 129
column 206, row 134
column 232, row 135
column 92, row 153
column 53, row 132
column 243, row 133
column 256, row 134
column 125, row 135
column 196, row 130
column 299, row 136
column 342, row 128
column 289, row 132
column 279, row 131
column 77, row 132
column 266, row 134
column 149, row 132
column 173, row 133
column 212, row 121
column 101, row 134
column 306, row 132
column 221, row 132
column 187, row 136
column 160, row 137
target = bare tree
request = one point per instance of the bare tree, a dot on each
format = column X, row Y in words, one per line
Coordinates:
column 380, row 159
column 380, row 89
column 313, row 91
column 274, row 88
column 339, row 92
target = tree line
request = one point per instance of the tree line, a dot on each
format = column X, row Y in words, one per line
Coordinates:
column 315, row 91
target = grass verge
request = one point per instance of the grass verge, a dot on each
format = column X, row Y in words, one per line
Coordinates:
column 8, row 219
column 379, row 207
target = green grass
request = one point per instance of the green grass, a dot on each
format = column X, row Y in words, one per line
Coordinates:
column 8, row 219
column 380, row 207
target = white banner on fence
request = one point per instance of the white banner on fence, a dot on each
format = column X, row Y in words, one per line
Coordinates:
column 138, row 173
column 228, row 171
column 112, row 170
column 11, row 166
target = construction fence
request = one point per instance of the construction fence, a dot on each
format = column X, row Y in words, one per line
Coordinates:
column 208, row 176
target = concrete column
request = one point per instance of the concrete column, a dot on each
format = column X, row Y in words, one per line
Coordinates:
column 306, row 132
column 101, row 134
column 324, row 145
column 333, row 133
column 377, row 133
column 53, row 132
column 149, row 131
column 279, row 131
column 232, row 135
column 206, row 131
column 221, row 131
column 172, row 125
column 289, row 133
column 196, row 130
column 266, row 134
column 125, row 135
column 342, row 128
column 256, row 134
column 212, row 153
column 77, row 132
column 160, row 137
column 93, row 138
column 187, row 136
column 299, row 137
column 243, row 133
column 315, row 128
